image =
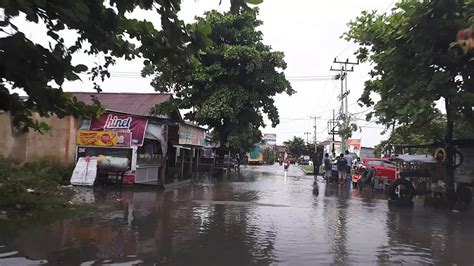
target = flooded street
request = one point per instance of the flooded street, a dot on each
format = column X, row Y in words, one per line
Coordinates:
column 261, row 216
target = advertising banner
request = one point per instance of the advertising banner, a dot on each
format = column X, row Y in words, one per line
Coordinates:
column 354, row 146
column 354, row 142
column 122, row 123
column 191, row 135
column 103, row 138
column 270, row 138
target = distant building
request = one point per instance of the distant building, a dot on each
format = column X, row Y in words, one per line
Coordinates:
column 280, row 150
column 269, row 139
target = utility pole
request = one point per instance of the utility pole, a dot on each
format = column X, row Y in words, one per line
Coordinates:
column 344, row 109
column 315, row 132
column 332, row 124
column 307, row 139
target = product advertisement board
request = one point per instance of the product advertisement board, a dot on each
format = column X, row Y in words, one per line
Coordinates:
column 190, row 135
column 103, row 138
column 122, row 123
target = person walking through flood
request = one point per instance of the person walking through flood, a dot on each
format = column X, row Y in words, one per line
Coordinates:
column 350, row 161
column 317, row 160
column 342, row 169
column 286, row 164
column 327, row 167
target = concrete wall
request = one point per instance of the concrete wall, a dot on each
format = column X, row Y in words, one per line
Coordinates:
column 57, row 145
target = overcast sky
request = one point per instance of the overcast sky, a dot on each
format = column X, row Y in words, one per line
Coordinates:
column 308, row 32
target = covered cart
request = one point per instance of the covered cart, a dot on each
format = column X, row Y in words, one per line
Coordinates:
column 426, row 173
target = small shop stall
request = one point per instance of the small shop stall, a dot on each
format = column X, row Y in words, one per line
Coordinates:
column 117, row 138
column 111, row 151
column 186, row 151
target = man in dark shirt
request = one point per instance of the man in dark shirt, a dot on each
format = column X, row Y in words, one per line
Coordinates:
column 342, row 169
column 316, row 164
column 327, row 167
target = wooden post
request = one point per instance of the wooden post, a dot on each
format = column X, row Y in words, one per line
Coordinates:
column 191, row 153
column 228, row 161
column 213, row 162
column 181, row 153
column 198, row 155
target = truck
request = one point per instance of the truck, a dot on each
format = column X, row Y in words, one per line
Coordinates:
column 256, row 155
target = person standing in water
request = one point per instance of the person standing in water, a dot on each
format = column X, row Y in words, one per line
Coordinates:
column 342, row 169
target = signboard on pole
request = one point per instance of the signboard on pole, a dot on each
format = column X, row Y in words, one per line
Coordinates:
column 354, row 145
column 122, row 123
column 270, row 138
column 103, row 138
column 191, row 135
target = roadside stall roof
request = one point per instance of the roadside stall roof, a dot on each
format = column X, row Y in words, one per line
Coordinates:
column 131, row 103
column 415, row 158
column 460, row 142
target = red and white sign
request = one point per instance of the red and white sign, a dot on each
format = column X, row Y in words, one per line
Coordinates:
column 354, row 143
column 122, row 122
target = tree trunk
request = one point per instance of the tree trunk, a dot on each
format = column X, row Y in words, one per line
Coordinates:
column 449, row 146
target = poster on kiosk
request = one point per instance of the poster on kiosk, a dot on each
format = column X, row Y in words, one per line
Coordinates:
column 122, row 122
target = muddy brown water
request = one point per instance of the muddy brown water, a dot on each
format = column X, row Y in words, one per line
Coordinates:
column 261, row 216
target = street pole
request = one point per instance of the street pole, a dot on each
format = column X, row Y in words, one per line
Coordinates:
column 333, row 133
column 344, row 110
column 315, row 133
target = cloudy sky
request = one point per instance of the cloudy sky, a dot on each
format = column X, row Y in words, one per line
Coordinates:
column 308, row 32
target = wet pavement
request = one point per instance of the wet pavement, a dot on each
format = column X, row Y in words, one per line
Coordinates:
column 260, row 216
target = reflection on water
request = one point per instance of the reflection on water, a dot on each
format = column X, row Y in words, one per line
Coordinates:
column 260, row 216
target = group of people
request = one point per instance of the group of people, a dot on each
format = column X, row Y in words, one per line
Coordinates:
column 343, row 166
column 344, row 163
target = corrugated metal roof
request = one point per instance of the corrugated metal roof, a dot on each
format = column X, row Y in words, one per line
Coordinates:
column 130, row 103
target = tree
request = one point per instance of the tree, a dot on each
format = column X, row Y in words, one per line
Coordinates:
column 296, row 146
column 269, row 156
column 431, row 132
column 414, row 67
column 103, row 28
column 230, row 86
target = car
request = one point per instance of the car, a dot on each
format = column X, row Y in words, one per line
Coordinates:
column 303, row 160
column 383, row 168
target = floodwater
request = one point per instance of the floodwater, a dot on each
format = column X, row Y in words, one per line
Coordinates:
column 261, row 216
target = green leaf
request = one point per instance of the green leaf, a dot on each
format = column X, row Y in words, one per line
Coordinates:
column 254, row 2
column 80, row 68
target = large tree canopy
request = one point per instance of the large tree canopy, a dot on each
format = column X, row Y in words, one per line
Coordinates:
column 413, row 65
column 431, row 132
column 103, row 28
column 231, row 84
column 297, row 146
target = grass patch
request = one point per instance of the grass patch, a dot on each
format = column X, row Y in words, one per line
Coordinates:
column 33, row 188
column 308, row 169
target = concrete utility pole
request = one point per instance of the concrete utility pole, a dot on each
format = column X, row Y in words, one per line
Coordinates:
column 307, row 139
column 332, row 124
column 315, row 132
column 344, row 109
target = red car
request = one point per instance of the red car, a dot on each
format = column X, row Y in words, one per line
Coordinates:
column 382, row 166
